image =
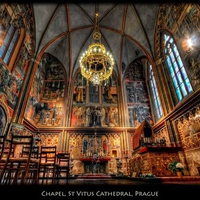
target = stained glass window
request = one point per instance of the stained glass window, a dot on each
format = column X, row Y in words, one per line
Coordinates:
column 176, row 68
column 155, row 96
column 9, row 44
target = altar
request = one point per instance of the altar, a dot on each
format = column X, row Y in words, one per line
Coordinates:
column 95, row 165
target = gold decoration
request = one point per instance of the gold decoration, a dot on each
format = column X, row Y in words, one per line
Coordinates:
column 96, row 63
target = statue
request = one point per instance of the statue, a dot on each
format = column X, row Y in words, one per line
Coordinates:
column 88, row 116
column 104, row 146
column 163, row 142
column 109, row 95
column 80, row 93
column 119, row 167
column 85, row 142
column 72, row 162
column 95, row 114
column 111, row 114
column 102, row 114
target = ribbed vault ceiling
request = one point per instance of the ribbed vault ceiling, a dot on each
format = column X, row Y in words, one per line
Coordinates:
column 65, row 30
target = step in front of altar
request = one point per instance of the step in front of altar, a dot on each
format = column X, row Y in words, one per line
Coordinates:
column 94, row 176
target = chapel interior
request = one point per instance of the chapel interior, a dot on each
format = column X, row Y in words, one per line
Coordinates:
column 137, row 119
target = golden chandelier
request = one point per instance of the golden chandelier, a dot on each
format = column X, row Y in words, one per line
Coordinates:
column 96, row 63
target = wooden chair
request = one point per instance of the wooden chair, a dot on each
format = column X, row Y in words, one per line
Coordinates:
column 62, row 170
column 47, row 166
column 2, row 144
column 4, row 150
column 16, row 169
column 34, row 151
column 34, row 162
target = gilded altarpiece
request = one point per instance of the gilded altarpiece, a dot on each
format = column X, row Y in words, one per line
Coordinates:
column 83, row 147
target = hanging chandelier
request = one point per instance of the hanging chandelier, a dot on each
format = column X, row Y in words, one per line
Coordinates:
column 96, row 63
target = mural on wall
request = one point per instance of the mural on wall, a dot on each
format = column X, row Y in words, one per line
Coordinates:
column 3, row 120
column 188, row 126
column 49, row 139
column 45, row 104
column 194, row 69
column 94, row 105
column 10, row 85
column 11, row 79
column 167, row 19
column 25, row 10
column 136, row 94
column 93, row 116
column 22, row 62
column 18, row 129
column 33, row 104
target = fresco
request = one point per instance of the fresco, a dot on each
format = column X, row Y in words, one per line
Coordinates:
column 45, row 103
column 10, row 85
column 188, row 126
column 136, row 94
column 94, row 105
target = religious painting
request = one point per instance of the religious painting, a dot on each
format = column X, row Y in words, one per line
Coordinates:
column 22, row 62
column 136, row 94
column 188, row 126
column 45, row 104
column 10, row 85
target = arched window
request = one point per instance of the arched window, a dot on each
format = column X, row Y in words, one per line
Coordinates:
column 158, row 113
column 176, row 68
column 9, row 44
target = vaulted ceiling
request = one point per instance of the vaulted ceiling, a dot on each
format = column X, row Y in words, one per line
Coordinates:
column 66, row 30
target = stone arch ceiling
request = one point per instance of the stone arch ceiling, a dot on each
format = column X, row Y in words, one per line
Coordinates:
column 65, row 30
